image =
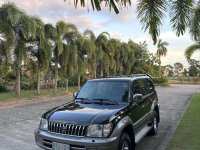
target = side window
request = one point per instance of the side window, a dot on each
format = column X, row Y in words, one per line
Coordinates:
column 150, row 86
column 139, row 87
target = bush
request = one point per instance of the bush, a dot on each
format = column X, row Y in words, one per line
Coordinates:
column 27, row 84
column 160, row 80
column 195, row 80
column 3, row 88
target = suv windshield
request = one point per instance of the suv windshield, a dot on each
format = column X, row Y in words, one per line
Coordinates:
column 105, row 90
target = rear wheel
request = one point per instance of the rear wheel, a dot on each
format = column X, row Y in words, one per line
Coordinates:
column 125, row 142
column 154, row 129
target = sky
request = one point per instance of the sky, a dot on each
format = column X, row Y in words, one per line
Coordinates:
column 123, row 26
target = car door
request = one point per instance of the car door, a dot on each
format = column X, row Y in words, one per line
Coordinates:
column 151, row 94
column 137, row 110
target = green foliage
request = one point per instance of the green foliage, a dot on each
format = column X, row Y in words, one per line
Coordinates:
column 195, row 79
column 150, row 14
column 3, row 88
column 27, row 84
column 160, row 80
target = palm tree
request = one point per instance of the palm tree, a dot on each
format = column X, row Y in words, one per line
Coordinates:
column 191, row 49
column 161, row 51
column 68, row 56
column 101, row 46
column 19, row 28
column 41, row 51
column 57, row 35
column 92, row 59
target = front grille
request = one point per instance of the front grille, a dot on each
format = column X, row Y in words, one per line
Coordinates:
column 67, row 129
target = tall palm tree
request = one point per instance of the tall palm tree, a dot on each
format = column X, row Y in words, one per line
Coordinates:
column 161, row 51
column 68, row 56
column 57, row 35
column 40, row 50
column 101, row 46
column 92, row 60
column 20, row 28
column 191, row 49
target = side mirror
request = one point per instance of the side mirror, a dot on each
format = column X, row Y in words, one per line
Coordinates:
column 137, row 98
column 75, row 94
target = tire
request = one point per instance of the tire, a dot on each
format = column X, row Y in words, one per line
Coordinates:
column 154, row 129
column 125, row 143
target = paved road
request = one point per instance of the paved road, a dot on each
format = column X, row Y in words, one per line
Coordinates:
column 18, row 124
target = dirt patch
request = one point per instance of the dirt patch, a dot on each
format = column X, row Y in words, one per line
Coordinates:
column 20, row 102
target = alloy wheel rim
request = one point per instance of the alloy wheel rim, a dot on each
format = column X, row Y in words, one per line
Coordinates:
column 125, row 146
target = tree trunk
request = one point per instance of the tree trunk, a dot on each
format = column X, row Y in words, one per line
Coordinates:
column 95, row 73
column 38, row 81
column 56, row 77
column 79, row 81
column 18, row 85
column 66, row 84
column 101, row 69
column 159, row 68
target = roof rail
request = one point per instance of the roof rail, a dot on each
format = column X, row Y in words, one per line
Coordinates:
column 139, row 75
column 114, row 76
column 133, row 75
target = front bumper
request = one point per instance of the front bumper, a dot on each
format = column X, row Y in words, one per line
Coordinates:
column 45, row 139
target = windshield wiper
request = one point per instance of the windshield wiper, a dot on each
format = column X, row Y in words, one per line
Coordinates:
column 84, row 100
column 105, row 101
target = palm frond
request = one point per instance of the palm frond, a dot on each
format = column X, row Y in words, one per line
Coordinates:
column 195, row 24
column 180, row 15
column 96, row 4
column 190, row 50
column 10, row 14
column 150, row 14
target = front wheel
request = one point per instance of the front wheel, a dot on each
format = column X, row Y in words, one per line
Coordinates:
column 125, row 142
column 154, row 129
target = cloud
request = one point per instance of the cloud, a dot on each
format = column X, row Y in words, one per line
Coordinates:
column 172, row 36
column 83, row 22
column 116, row 35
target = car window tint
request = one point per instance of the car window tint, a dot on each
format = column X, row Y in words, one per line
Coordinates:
column 150, row 86
column 139, row 87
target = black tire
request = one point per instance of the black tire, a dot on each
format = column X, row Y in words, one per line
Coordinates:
column 154, row 129
column 125, row 143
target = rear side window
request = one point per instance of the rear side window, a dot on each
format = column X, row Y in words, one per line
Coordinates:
column 139, row 87
column 150, row 86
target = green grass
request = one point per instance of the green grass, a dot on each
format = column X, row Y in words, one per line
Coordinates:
column 187, row 135
column 32, row 94
column 175, row 81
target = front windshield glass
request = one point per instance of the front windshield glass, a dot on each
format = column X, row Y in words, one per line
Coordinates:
column 108, row 90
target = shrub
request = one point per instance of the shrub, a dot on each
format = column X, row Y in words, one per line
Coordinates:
column 160, row 80
column 3, row 88
column 195, row 80
column 181, row 79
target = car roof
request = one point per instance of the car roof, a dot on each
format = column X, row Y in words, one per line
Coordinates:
column 123, row 78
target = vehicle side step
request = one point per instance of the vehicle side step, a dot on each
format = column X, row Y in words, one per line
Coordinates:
column 142, row 133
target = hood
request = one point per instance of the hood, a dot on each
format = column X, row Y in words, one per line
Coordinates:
column 78, row 113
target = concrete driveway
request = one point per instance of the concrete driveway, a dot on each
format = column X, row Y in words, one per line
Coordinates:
column 17, row 124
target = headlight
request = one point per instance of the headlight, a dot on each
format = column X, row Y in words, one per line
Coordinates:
column 98, row 130
column 43, row 124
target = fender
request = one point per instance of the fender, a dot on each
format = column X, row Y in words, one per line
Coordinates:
column 121, row 125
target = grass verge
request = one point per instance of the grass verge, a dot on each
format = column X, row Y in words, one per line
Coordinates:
column 175, row 81
column 187, row 134
column 32, row 94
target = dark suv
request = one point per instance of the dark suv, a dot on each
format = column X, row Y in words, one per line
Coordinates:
column 112, row 113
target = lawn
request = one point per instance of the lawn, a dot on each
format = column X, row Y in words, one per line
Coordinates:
column 187, row 134
column 32, row 94
column 175, row 81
